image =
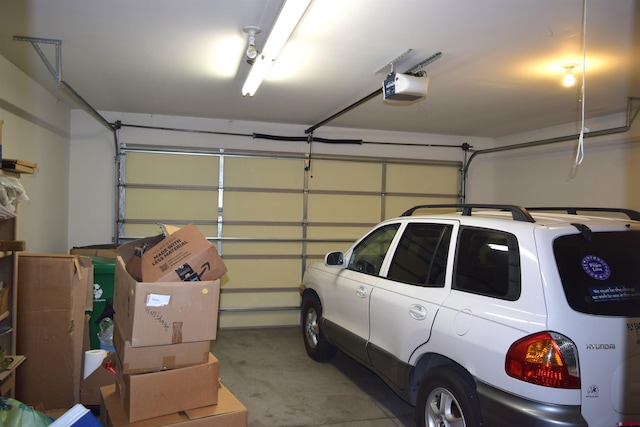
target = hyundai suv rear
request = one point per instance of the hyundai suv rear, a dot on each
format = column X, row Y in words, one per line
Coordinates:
column 493, row 315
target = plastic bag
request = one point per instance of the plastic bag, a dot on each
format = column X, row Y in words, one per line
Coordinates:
column 11, row 192
column 14, row 413
column 105, row 333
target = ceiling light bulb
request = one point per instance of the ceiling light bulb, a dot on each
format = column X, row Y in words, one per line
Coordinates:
column 569, row 79
column 252, row 52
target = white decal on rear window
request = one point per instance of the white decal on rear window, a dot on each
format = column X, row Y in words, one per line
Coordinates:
column 614, row 293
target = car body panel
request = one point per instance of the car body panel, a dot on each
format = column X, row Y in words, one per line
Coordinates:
column 345, row 302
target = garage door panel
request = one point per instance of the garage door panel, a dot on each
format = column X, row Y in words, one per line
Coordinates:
column 265, row 249
column 145, row 230
column 171, row 169
column 408, row 178
column 396, row 206
column 262, row 206
column 254, row 319
column 263, row 231
column 344, row 209
column 262, row 273
column 338, row 232
column 155, row 204
column 335, row 175
column 247, row 172
column 290, row 298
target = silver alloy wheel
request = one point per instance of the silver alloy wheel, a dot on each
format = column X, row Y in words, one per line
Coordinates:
column 443, row 410
column 311, row 328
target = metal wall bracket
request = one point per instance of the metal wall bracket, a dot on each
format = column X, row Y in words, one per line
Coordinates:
column 56, row 72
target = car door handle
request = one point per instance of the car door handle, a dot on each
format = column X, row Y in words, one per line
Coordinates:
column 417, row 312
column 361, row 291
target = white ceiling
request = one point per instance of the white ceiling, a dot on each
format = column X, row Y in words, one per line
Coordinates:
column 499, row 73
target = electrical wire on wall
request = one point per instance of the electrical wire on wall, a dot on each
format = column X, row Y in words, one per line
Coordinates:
column 580, row 149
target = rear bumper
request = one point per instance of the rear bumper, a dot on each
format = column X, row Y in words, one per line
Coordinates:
column 503, row 409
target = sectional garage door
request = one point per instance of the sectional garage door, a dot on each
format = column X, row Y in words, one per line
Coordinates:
column 270, row 214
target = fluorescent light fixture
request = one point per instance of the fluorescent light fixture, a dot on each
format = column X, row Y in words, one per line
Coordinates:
column 288, row 18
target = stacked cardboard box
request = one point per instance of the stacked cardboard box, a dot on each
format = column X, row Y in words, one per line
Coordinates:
column 164, row 322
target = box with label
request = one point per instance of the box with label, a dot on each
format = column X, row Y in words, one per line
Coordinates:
column 159, row 313
column 153, row 394
column 228, row 412
column 184, row 255
column 136, row 360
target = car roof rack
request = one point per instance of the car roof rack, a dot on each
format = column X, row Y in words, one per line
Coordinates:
column 517, row 212
column 632, row 214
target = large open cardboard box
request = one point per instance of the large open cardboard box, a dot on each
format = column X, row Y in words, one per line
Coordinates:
column 183, row 255
column 228, row 412
column 153, row 394
column 159, row 313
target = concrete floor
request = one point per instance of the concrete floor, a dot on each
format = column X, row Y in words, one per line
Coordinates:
column 271, row 374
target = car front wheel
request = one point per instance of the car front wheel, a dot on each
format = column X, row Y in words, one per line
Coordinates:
column 446, row 398
column 316, row 344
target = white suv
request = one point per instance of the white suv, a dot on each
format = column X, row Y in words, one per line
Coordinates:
column 492, row 316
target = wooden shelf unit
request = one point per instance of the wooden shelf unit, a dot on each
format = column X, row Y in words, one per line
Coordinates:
column 9, row 249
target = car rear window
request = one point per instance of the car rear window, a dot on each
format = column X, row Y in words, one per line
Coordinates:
column 488, row 263
column 600, row 272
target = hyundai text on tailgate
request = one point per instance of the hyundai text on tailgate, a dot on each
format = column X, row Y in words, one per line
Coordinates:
column 490, row 315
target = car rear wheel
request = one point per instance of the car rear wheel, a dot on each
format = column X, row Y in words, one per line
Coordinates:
column 446, row 398
column 315, row 342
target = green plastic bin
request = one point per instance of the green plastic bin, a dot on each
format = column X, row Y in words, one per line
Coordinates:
column 104, row 270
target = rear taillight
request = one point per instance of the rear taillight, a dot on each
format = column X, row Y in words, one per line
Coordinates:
column 546, row 358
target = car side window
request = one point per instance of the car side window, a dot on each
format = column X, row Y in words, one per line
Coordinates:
column 488, row 263
column 368, row 255
column 421, row 256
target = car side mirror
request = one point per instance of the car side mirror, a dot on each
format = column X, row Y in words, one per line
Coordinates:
column 334, row 259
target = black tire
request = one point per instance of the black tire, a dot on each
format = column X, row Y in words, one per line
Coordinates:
column 447, row 397
column 315, row 342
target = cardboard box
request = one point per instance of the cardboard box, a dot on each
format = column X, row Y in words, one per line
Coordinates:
column 184, row 255
column 228, row 412
column 107, row 250
column 137, row 360
column 161, row 313
column 54, row 293
column 153, row 394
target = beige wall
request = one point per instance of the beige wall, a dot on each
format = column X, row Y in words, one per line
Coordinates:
column 607, row 177
column 36, row 128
